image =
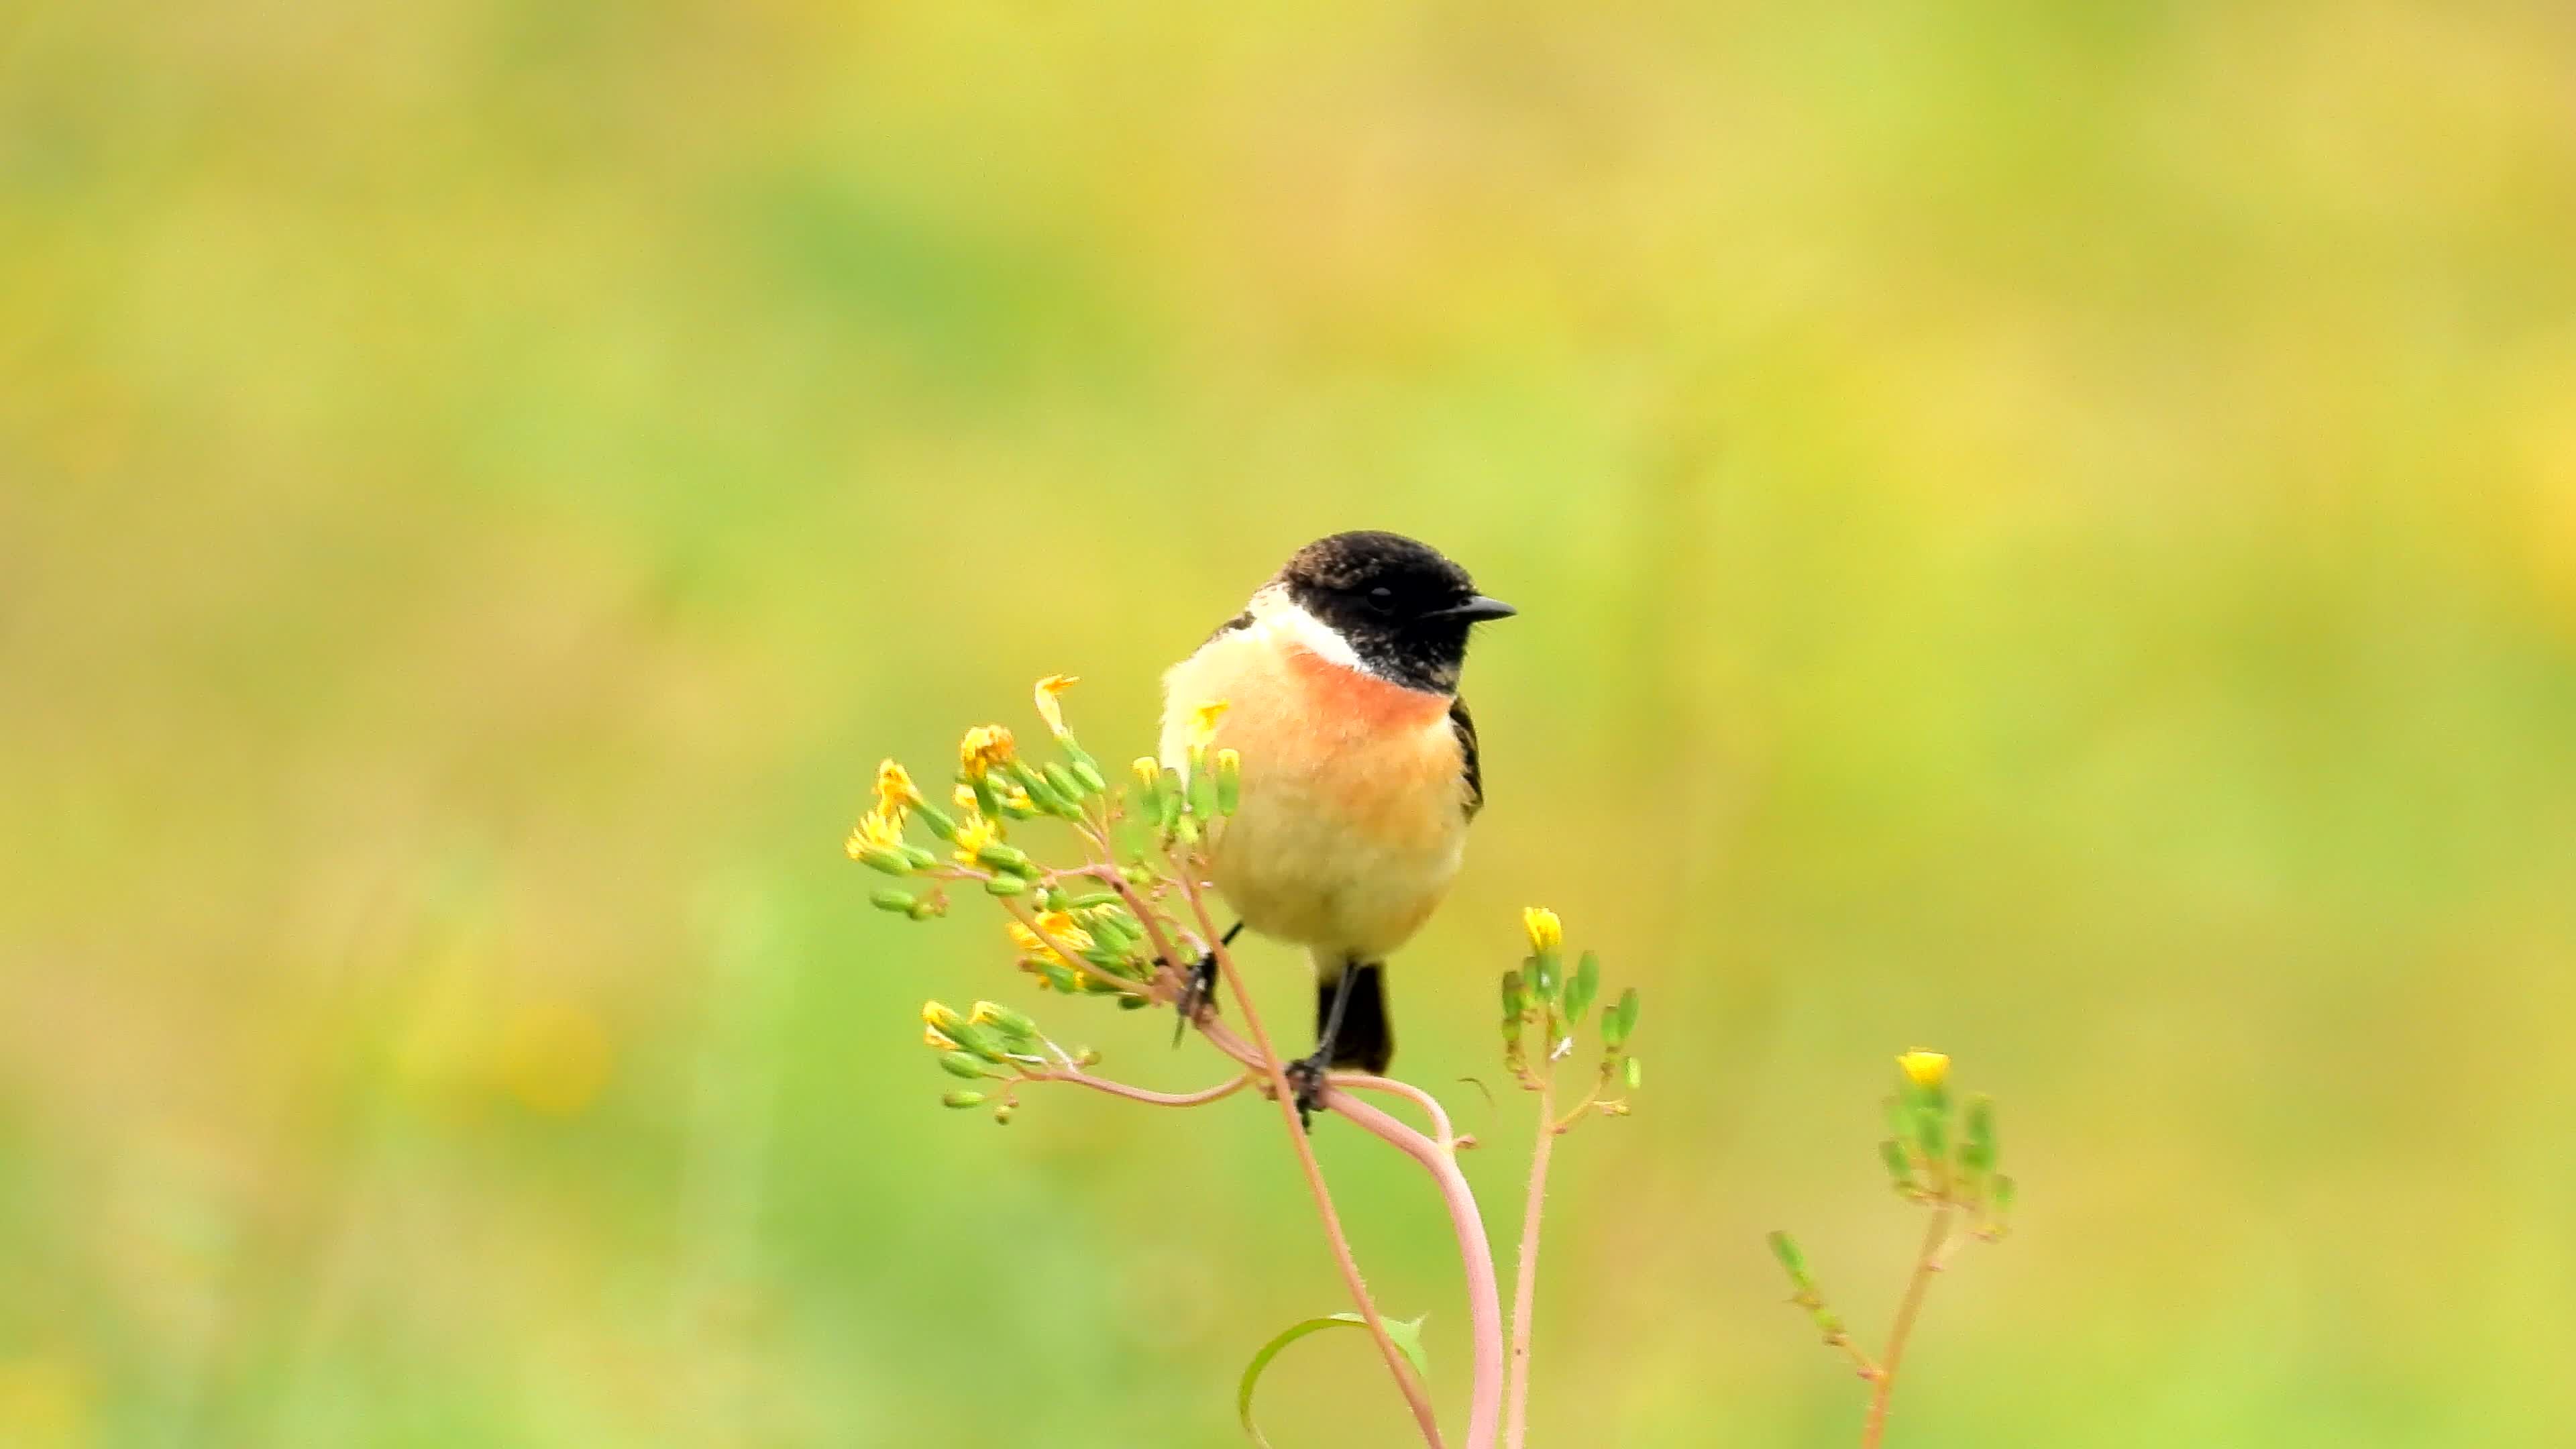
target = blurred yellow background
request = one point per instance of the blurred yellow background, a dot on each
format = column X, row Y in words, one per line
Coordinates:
column 2046, row 531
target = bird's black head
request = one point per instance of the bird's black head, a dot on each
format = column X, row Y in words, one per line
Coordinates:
column 1404, row 608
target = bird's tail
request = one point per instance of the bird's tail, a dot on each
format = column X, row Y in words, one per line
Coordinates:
column 1366, row 1040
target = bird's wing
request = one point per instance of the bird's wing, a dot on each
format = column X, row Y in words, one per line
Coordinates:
column 1470, row 774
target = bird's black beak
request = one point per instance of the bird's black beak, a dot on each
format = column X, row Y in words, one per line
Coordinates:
column 1475, row 611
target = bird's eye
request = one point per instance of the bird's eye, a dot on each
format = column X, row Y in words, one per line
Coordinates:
column 1381, row 598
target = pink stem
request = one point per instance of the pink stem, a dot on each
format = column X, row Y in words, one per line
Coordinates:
column 1525, row 1286
column 1475, row 1255
column 1430, row 1105
column 1216, row 1093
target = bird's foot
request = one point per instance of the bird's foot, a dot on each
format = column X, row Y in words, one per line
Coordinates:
column 1197, row 1001
column 1306, row 1083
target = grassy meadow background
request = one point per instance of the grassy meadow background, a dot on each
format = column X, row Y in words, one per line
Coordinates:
column 2045, row 531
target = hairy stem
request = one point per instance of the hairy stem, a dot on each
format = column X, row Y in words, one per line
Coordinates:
column 1926, row 1263
column 1525, row 1284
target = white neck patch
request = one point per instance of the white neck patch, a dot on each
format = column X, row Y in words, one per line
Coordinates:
column 1288, row 622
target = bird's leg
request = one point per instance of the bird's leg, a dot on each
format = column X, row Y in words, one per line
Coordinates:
column 1306, row 1075
column 1198, row 994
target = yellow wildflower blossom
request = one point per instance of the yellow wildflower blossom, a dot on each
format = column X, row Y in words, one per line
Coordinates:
column 1049, row 710
column 1055, row 924
column 1924, row 1069
column 1546, row 932
column 985, row 748
column 895, row 790
column 973, row 834
column 875, row 831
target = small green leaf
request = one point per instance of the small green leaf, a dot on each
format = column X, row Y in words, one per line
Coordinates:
column 1406, row 1334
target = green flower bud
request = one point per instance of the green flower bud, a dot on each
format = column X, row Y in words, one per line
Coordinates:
column 1633, row 1073
column 1229, row 781
column 899, row 902
column 962, row 1100
column 998, row 856
column 1093, row 901
column 1620, row 1020
column 1086, row 770
column 1977, row 1149
column 975, row 1041
column 936, row 819
column 961, row 1064
column 919, row 858
column 877, row 857
column 1170, row 797
column 1006, row 885
column 1203, row 794
column 928, row 907
column 1068, row 789
column 1012, row 1024
column 988, row 801
column 1541, row 972
column 1002, row 1115
column 1931, row 1131
column 1580, row 991
column 1792, row 1261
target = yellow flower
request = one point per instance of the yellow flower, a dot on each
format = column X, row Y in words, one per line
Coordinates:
column 939, row 1024
column 1203, row 721
column 894, row 790
column 875, row 831
column 973, row 834
column 1050, row 711
column 1019, row 800
column 1033, row 944
column 1924, row 1069
column 1546, row 932
column 1147, row 770
column 963, row 797
column 985, row 749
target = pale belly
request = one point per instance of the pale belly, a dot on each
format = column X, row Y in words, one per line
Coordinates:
column 1298, row 867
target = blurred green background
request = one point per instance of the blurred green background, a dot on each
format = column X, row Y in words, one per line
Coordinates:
column 2046, row 531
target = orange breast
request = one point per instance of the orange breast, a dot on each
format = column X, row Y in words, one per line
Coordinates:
column 1353, row 813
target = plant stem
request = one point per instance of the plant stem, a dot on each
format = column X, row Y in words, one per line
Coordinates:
column 1926, row 1263
column 1200, row 1098
column 1475, row 1256
column 1525, row 1286
column 1415, row 1395
column 1430, row 1105
column 1475, row 1250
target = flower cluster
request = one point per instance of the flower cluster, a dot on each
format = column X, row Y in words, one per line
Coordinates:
column 1542, row 995
column 1086, row 928
column 1939, row 1157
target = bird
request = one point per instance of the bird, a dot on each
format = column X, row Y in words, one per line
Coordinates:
column 1359, row 769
